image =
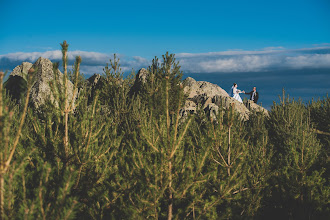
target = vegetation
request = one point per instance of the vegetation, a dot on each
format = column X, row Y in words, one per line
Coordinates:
column 110, row 153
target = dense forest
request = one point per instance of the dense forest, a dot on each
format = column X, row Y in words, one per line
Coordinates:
column 118, row 152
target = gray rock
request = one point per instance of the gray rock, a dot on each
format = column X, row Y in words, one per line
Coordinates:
column 194, row 88
column 212, row 110
column 94, row 80
column 41, row 90
column 255, row 107
column 16, row 86
column 141, row 76
column 22, row 70
column 189, row 108
column 206, row 93
column 140, row 79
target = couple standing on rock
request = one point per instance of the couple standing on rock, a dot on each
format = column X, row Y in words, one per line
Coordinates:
column 254, row 95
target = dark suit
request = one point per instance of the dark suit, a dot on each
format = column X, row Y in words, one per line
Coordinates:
column 256, row 96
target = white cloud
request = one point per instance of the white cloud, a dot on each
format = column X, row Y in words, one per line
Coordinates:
column 255, row 61
column 33, row 56
column 140, row 59
column 222, row 53
column 309, row 61
column 89, row 57
column 273, row 48
column 92, row 62
column 90, row 70
column 322, row 45
column 218, row 62
column 236, row 64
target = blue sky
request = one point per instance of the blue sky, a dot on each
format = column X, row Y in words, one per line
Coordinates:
column 149, row 28
column 223, row 38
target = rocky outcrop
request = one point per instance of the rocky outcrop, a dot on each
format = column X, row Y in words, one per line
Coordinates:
column 94, row 83
column 255, row 107
column 141, row 76
column 22, row 70
column 195, row 88
column 140, row 79
column 41, row 90
column 16, row 86
column 95, row 80
column 210, row 97
column 190, row 107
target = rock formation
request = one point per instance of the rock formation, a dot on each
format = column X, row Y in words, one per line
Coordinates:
column 208, row 96
column 254, row 107
column 22, row 70
column 141, row 76
column 41, row 90
column 211, row 97
column 195, row 88
column 140, row 79
column 95, row 83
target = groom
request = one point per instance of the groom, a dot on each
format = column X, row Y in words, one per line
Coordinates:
column 254, row 95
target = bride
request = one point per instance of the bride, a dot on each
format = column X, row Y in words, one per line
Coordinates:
column 235, row 93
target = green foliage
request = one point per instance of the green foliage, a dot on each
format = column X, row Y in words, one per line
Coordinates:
column 10, row 131
column 114, row 93
column 120, row 151
column 76, row 136
column 17, row 86
column 320, row 117
column 162, row 165
column 298, row 189
column 226, row 181
column 153, row 90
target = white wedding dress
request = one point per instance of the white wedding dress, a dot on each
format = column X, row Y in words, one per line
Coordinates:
column 235, row 94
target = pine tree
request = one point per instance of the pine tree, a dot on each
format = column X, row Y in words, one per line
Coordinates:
column 114, row 92
column 320, row 117
column 225, row 164
column 131, row 155
column 10, row 133
column 163, row 163
column 78, row 141
column 298, row 190
column 257, row 166
column 25, row 177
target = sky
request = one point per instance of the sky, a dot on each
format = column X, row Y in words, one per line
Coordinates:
column 268, row 44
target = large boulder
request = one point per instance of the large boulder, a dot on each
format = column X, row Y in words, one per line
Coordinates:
column 41, row 90
column 255, row 107
column 190, row 107
column 22, row 70
column 94, row 83
column 95, row 80
column 208, row 95
column 141, row 76
column 140, row 79
column 194, row 88
column 16, row 85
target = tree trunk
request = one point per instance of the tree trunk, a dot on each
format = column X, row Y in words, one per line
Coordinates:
column 2, row 191
column 170, row 197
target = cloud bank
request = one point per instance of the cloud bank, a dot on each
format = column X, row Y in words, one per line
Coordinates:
column 272, row 58
column 267, row 59
column 92, row 62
